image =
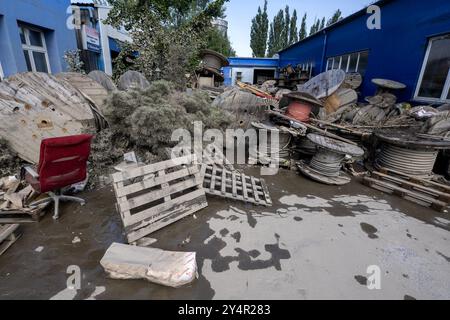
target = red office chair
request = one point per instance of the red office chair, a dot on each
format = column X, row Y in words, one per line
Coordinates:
column 62, row 162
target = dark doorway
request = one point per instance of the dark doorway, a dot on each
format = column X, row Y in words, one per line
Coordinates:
column 262, row 75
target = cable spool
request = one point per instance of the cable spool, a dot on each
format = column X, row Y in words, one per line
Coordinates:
column 418, row 163
column 408, row 153
column 271, row 153
column 306, row 147
column 326, row 164
column 301, row 105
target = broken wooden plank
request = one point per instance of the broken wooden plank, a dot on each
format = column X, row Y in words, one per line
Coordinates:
column 9, row 233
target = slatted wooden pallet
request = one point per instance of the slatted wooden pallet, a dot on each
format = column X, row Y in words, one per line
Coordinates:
column 9, row 233
column 407, row 191
column 234, row 185
column 427, row 183
column 152, row 197
column 20, row 216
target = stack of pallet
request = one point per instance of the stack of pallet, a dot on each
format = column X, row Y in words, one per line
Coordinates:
column 426, row 193
column 154, row 196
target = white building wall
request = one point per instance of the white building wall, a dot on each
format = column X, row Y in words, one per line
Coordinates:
column 106, row 31
column 248, row 74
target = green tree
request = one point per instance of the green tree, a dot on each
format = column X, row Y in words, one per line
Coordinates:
column 271, row 42
column 322, row 24
column 286, row 29
column 167, row 34
column 337, row 16
column 276, row 35
column 259, row 32
column 315, row 27
column 303, row 32
column 293, row 31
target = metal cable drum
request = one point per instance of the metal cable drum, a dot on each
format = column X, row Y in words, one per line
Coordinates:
column 327, row 163
column 282, row 152
column 409, row 161
column 408, row 153
column 306, row 147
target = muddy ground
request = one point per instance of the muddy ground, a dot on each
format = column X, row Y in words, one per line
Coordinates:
column 316, row 242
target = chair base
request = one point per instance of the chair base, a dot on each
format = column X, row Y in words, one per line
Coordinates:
column 56, row 198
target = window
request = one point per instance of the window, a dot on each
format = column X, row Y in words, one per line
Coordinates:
column 354, row 62
column 434, row 81
column 34, row 49
column 306, row 68
column 239, row 76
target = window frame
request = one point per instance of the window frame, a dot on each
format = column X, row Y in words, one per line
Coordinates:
column 446, row 89
column 239, row 75
column 341, row 59
column 30, row 48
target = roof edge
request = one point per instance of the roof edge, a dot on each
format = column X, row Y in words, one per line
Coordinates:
column 337, row 24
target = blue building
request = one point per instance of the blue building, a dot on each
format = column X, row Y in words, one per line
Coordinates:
column 250, row 70
column 412, row 46
column 34, row 36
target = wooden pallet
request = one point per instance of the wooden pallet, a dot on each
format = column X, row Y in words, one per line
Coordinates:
column 406, row 191
column 152, row 197
column 9, row 233
column 25, row 215
column 424, row 182
column 233, row 185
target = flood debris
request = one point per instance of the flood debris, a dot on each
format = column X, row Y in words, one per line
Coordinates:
column 144, row 120
column 15, row 202
column 208, row 74
column 326, row 164
column 227, row 184
column 36, row 106
column 103, row 79
column 10, row 163
column 171, row 269
column 244, row 107
column 328, row 108
column 9, row 234
column 153, row 196
column 132, row 80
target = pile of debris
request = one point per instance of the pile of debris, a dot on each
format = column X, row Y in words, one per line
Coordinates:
column 329, row 130
column 144, row 120
column 141, row 118
column 151, row 197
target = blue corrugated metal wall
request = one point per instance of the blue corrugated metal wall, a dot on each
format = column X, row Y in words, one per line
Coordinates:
column 48, row 15
column 396, row 51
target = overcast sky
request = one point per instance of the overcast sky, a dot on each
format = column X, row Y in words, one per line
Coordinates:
column 240, row 14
